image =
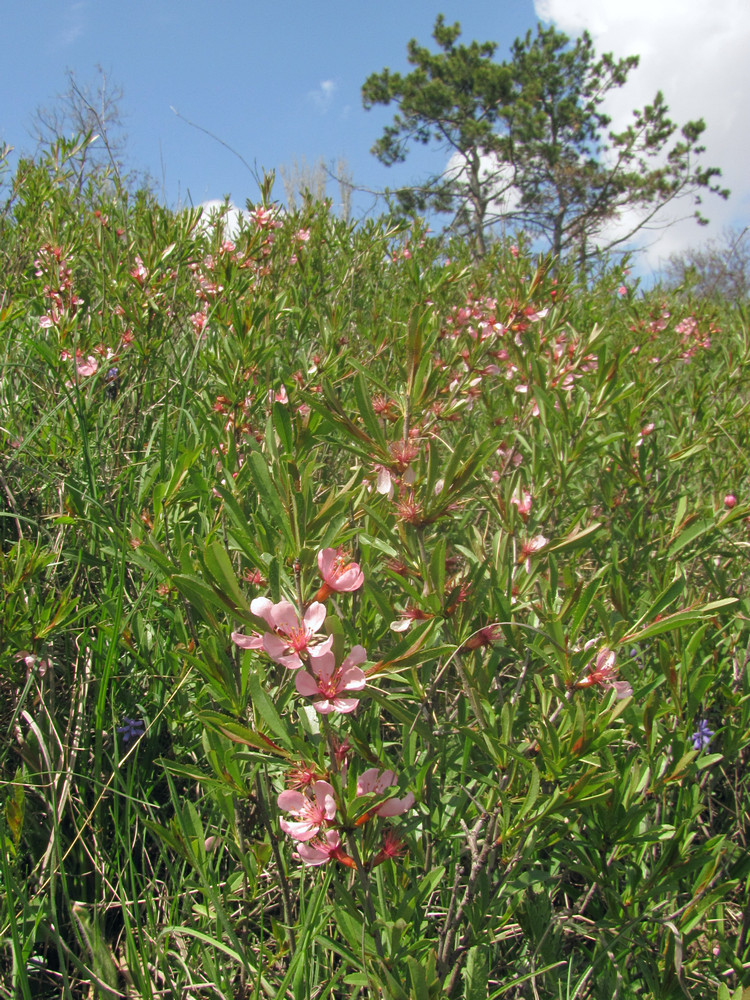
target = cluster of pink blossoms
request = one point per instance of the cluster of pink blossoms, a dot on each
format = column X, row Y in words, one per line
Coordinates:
column 53, row 265
column 315, row 827
column 296, row 642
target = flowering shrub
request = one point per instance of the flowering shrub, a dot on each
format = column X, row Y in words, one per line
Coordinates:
column 374, row 621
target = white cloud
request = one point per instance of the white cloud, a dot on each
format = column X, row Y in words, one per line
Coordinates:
column 226, row 214
column 493, row 174
column 323, row 96
column 696, row 53
column 74, row 24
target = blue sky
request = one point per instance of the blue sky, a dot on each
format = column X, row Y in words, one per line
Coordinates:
column 281, row 79
column 273, row 80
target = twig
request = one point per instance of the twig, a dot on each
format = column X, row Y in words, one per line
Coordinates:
column 251, row 170
column 12, row 502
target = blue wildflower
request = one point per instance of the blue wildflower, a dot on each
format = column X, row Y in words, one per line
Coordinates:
column 112, row 382
column 702, row 738
column 132, row 730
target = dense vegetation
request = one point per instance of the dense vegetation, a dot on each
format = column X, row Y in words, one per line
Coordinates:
column 373, row 621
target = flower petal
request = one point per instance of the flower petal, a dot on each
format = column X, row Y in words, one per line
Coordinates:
column 306, row 684
column 352, row 679
column 322, row 851
column 343, row 705
column 368, row 781
column 313, row 855
column 291, row 801
column 301, row 830
column 395, row 807
column 322, row 664
column 261, row 607
column 284, row 616
column 324, row 796
column 401, row 624
column 315, row 616
column 252, row 641
column 357, row 655
column 326, row 560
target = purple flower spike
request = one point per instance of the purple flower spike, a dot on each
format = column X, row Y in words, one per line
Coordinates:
column 702, row 737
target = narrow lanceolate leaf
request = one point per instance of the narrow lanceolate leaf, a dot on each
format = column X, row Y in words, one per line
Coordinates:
column 220, row 567
column 238, row 733
column 367, row 413
column 269, row 498
column 679, row 619
column 574, row 538
column 581, row 607
column 668, row 596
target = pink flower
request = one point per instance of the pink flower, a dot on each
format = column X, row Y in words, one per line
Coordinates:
column 646, row 430
column 378, row 782
column 484, row 636
column 139, row 272
column 339, row 576
column 312, row 811
column 199, row 320
column 328, row 681
column 290, row 637
column 264, row 218
column 528, row 549
column 302, row 775
column 322, row 849
column 730, row 500
column 524, row 504
column 604, row 673
column 403, row 453
column 384, row 483
column 87, row 367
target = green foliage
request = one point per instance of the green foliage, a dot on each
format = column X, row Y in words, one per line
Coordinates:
column 529, row 144
column 545, row 487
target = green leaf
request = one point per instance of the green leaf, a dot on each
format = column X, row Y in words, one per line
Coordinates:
column 282, row 423
column 202, row 597
column 679, row 620
column 14, row 808
column 266, row 708
column 581, row 608
column 219, row 565
column 187, row 459
column 668, row 596
column 574, row 538
column 532, row 793
column 238, row 733
column 476, row 973
column 269, row 499
column 689, row 533
column 367, row 413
